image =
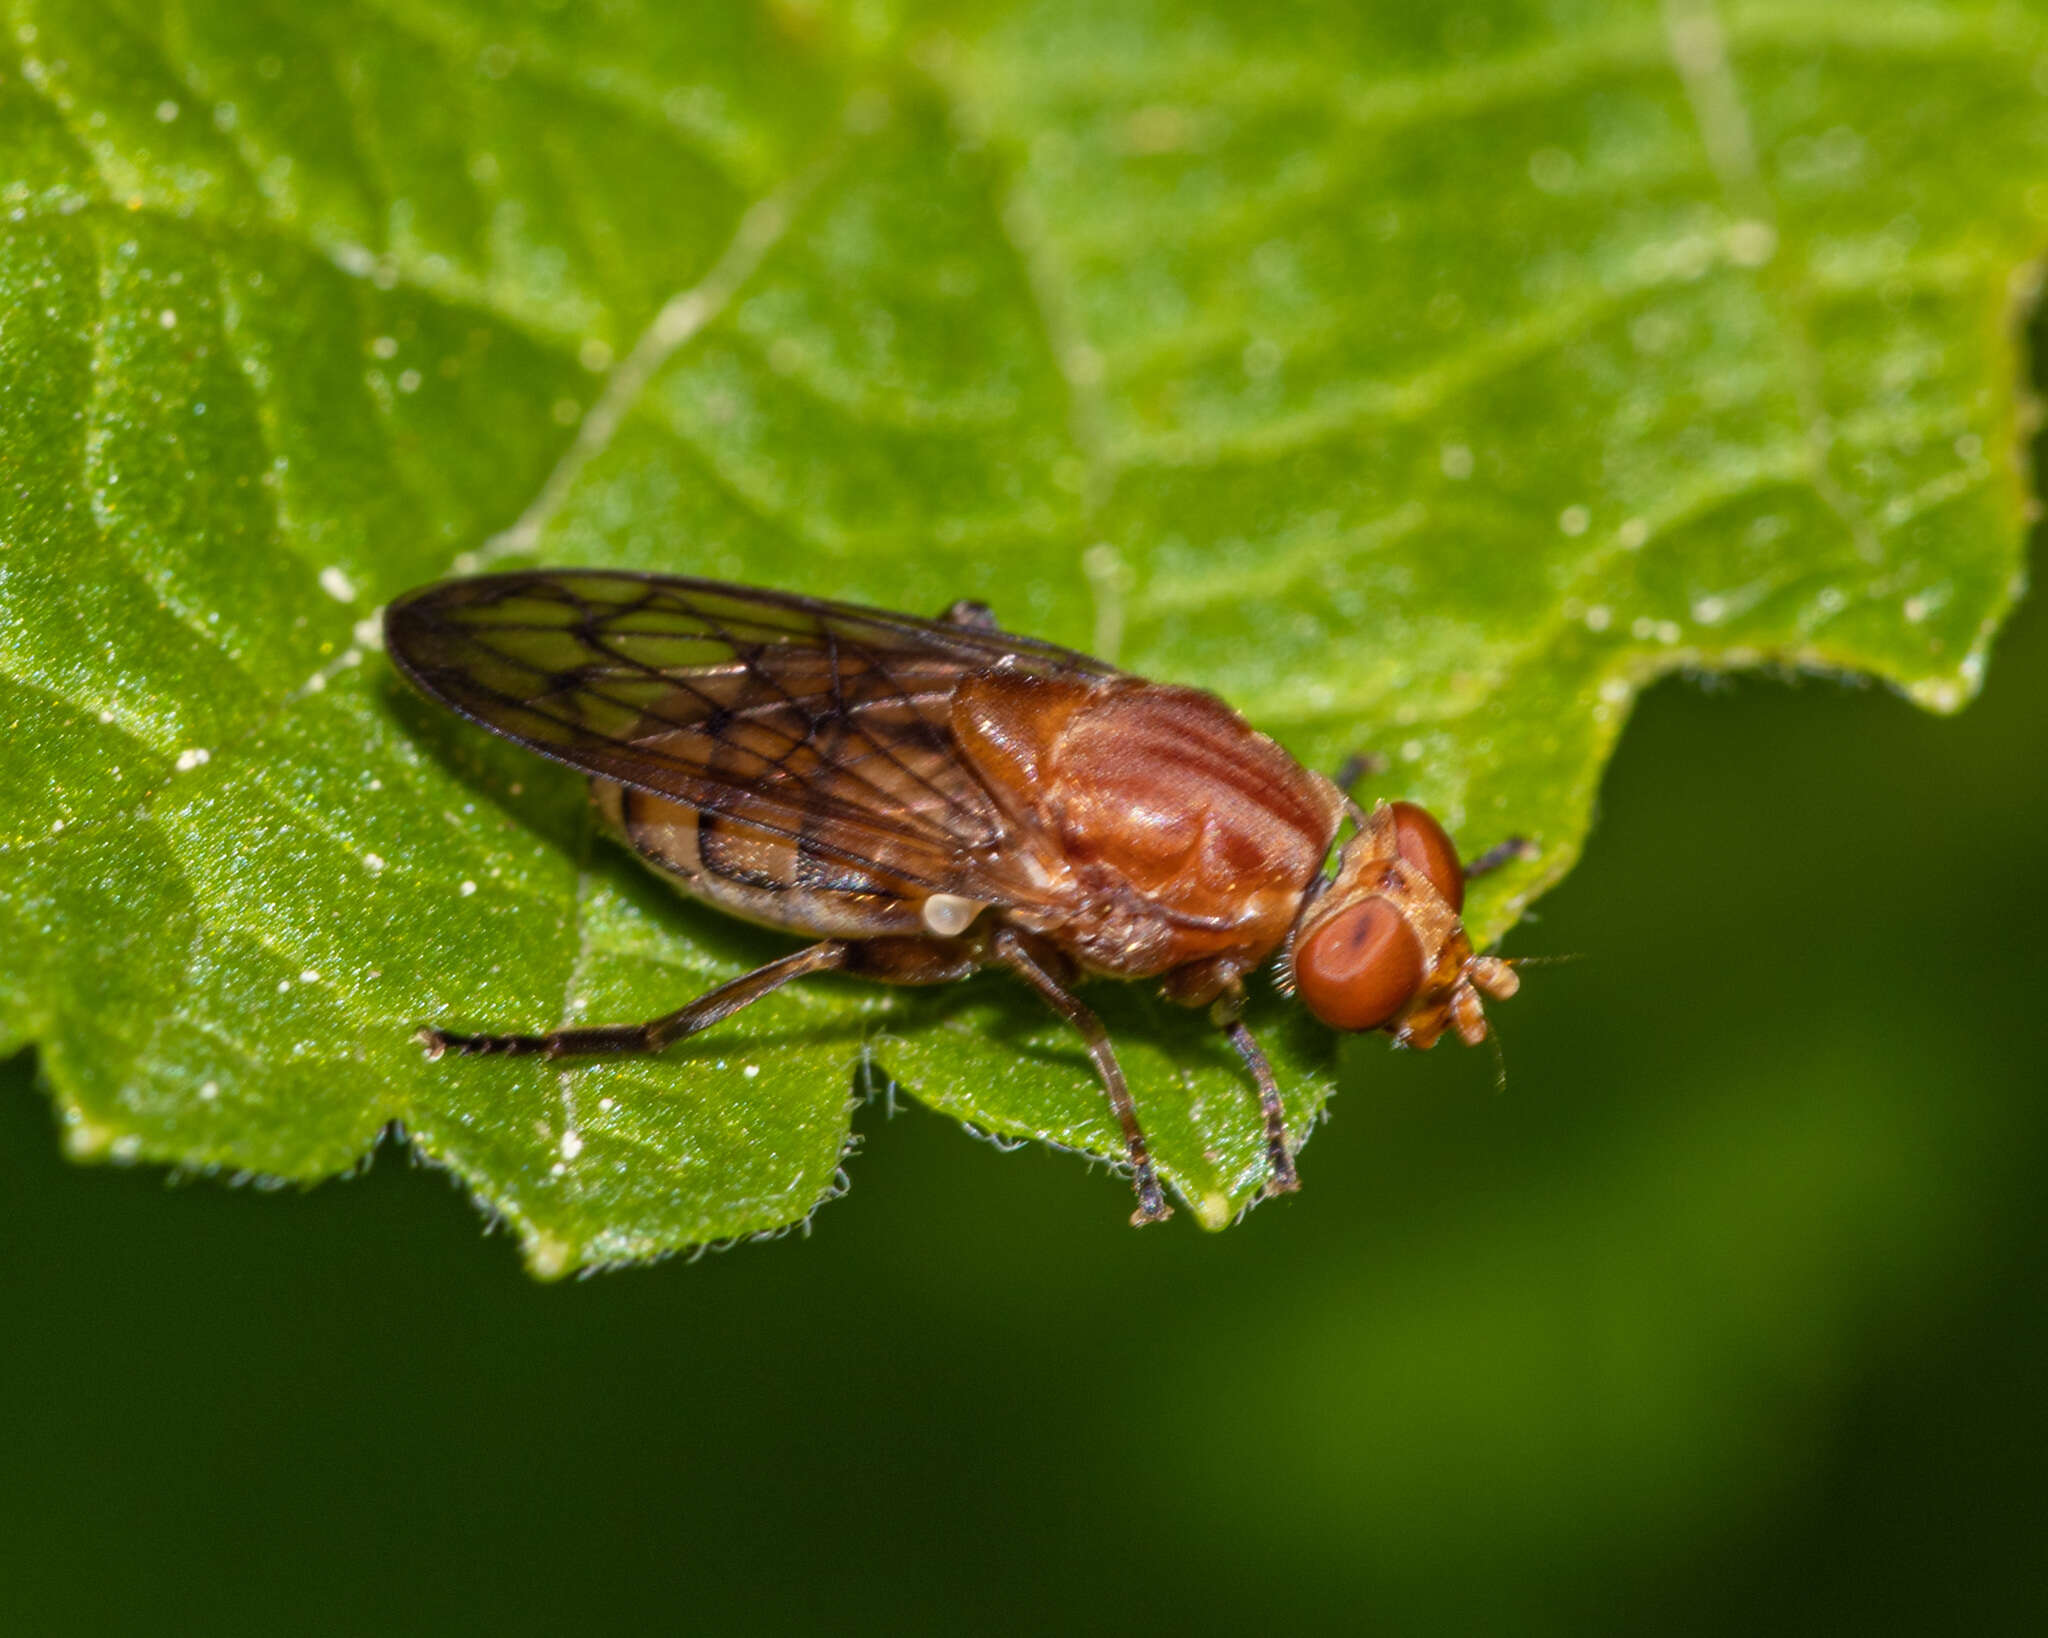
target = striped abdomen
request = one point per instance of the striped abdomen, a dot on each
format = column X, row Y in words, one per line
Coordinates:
column 774, row 880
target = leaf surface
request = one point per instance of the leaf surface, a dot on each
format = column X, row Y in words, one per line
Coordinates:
column 1420, row 383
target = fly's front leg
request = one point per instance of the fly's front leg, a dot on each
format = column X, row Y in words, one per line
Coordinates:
column 1007, row 949
column 608, row 1040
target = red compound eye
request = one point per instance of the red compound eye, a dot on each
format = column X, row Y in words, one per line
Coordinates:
column 1360, row 967
column 1425, row 846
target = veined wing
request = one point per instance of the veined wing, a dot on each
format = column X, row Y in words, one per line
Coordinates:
column 820, row 723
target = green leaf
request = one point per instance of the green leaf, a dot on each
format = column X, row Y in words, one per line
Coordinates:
column 1419, row 382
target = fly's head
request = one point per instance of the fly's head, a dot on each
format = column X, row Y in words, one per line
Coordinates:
column 1382, row 946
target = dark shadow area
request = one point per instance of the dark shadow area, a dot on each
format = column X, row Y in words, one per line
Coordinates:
column 542, row 796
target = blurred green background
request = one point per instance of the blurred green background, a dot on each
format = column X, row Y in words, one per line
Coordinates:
column 1727, row 1314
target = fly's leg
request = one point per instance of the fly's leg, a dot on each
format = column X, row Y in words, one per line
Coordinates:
column 1281, row 1177
column 1217, row 984
column 969, row 613
column 619, row 1039
column 1011, row 951
column 1357, row 766
column 1515, row 847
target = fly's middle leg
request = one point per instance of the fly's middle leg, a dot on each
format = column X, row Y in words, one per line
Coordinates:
column 1008, row 950
column 1281, row 1177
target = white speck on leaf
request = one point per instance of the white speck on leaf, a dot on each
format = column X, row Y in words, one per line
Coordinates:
column 1752, row 243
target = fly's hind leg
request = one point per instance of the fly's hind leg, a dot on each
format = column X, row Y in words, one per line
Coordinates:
column 621, row 1039
column 967, row 612
column 1012, row 952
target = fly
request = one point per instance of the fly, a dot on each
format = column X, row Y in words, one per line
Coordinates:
column 926, row 798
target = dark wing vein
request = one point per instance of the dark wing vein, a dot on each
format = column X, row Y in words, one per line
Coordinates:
column 754, row 713
column 659, row 773
column 841, row 714
column 717, row 695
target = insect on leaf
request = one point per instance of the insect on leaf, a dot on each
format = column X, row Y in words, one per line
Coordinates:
column 1419, row 391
